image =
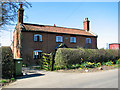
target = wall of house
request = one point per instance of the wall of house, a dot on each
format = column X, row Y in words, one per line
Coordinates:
column 48, row 44
column 16, row 45
column 114, row 46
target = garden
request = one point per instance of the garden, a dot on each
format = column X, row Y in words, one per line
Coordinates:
column 81, row 59
column 66, row 60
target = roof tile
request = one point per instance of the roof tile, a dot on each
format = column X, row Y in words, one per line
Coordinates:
column 55, row 29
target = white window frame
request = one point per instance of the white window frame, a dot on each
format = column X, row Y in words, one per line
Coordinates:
column 59, row 39
column 73, row 39
column 35, row 37
column 38, row 51
column 88, row 40
column 40, row 38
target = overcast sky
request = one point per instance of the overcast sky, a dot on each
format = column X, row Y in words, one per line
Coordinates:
column 103, row 18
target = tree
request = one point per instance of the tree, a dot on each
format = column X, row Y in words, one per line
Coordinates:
column 9, row 8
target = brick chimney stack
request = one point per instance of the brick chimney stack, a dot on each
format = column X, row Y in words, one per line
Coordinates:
column 20, row 5
column 54, row 25
column 20, row 14
column 86, row 24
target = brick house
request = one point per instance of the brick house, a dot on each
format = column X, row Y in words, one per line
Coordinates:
column 115, row 46
column 32, row 39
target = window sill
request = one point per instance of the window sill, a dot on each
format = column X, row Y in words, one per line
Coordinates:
column 73, row 42
column 88, row 43
column 38, row 41
column 59, row 42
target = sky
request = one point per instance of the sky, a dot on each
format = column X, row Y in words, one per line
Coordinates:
column 103, row 18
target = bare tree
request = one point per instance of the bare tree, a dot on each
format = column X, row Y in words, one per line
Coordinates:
column 8, row 11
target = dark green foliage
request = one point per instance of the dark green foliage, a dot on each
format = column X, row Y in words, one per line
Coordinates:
column 67, row 56
column 3, row 81
column 7, row 63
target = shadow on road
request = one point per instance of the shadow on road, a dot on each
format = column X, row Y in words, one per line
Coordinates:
column 30, row 76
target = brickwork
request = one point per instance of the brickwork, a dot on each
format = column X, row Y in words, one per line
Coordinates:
column 24, row 44
column 49, row 43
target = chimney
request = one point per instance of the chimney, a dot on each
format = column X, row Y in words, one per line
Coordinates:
column 86, row 24
column 20, row 5
column 20, row 14
column 54, row 25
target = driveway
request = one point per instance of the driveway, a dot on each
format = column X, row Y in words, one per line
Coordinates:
column 46, row 79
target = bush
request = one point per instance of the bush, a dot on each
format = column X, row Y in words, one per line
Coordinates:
column 7, row 63
column 3, row 81
column 12, row 79
column 117, row 61
column 67, row 56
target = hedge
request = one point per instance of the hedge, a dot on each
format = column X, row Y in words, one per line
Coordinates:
column 68, row 56
column 7, row 63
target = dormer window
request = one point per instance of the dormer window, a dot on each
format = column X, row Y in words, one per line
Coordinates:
column 88, row 40
column 37, row 37
column 73, row 39
column 59, row 39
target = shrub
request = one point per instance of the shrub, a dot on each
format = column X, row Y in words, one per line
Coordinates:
column 7, row 63
column 12, row 79
column 118, row 61
column 87, row 65
column 3, row 81
column 98, row 64
column 68, row 56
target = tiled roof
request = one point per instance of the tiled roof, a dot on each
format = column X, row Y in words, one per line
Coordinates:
column 55, row 29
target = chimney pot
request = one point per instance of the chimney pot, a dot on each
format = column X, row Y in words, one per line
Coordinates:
column 20, row 5
column 86, row 19
column 20, row 14
column 54, row 25
column 86, row 24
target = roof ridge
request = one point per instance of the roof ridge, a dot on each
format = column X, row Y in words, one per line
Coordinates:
column 93, row 33
column 56, row 29
column 52, row 26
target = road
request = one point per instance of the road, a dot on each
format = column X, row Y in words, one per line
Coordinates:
column 103, row 79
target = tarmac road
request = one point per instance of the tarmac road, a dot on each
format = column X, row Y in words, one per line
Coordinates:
column 45, row 79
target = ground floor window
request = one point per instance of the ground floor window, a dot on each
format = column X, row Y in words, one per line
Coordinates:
column 88, row 40
column 37, row 54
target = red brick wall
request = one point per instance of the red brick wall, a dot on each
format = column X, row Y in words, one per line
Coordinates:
column 48, row 44
column 86, row 24
column 16, row 42
column 114, row 46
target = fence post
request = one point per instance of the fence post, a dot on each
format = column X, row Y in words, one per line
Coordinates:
column 52, row 64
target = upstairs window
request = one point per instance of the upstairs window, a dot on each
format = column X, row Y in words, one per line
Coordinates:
column 88, row 40
column 37, row 37
column 59, row 39
column 73, row 39
column 37, row 54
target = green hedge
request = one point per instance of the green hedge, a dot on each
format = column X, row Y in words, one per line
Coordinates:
column 68, row 56
column 7, row 62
